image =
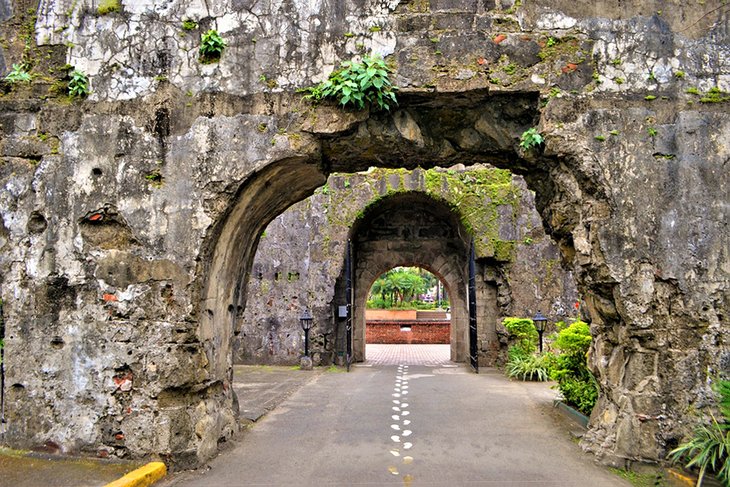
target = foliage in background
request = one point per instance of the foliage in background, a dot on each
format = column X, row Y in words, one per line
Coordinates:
column 211, row 46
column 357, row 84
column 401, row 287
column 78, row 86
column 709, row 448
column 570, row 369
column 530, row 138
column 379, row 303
column 18, row 74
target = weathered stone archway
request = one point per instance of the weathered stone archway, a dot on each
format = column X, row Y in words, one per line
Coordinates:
column 129, row 218
column 572, row 196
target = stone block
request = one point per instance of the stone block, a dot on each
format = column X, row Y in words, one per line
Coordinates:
column 447, row 5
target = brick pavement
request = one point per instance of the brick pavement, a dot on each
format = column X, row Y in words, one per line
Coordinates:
column 378, row 354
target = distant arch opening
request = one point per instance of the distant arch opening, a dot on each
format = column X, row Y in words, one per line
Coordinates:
column 407, row 306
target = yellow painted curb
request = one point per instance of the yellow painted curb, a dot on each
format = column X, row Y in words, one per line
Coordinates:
column 679, row 476
column 142, row 477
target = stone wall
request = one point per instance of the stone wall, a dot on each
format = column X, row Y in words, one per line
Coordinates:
column 130, row 219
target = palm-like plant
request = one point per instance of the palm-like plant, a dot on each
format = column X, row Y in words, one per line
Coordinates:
column 530, row 367
column 709, row 448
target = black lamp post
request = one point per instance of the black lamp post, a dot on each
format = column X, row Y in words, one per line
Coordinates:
column 306, row 321
column 540, row 321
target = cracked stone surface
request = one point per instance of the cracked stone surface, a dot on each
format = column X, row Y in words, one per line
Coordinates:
column 130, row 219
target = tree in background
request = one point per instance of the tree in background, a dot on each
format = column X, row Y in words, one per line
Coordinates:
column 400, row 286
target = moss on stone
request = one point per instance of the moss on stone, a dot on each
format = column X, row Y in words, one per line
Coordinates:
column 474, row 195
column 108, row 6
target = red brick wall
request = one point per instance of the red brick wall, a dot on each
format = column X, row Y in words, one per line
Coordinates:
column 422, row 332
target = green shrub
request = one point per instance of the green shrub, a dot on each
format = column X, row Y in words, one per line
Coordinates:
column 709, row 448
column 570, row 369
column 211, row 46
column 357, row 84
column 79, row 84
column 574, row 339
column 524, row 333
column 516, row 353
column 581, row 394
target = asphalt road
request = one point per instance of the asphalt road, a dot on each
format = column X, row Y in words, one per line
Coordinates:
column 410, row 426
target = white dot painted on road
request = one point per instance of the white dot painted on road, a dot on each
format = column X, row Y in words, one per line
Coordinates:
column 401, row 390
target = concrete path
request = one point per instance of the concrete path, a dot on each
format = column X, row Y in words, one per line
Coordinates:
column 260, row 388
column 379, row 354
column 411, row 426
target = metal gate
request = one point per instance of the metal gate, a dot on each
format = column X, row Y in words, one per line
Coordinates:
column 348, row 293
column 473, row 353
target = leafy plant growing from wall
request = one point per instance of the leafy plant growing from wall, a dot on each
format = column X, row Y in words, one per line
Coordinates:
column 78, row 86
column 189, row 24
column 530, row 138
column 211, row 46
column 357, row 84
column 18, row 74
column 709, row 448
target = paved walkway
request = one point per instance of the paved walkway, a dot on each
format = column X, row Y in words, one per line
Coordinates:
column 376, row 354
column 407, row 426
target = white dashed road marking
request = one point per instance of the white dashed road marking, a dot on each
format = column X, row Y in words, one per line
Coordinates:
column 399, row 390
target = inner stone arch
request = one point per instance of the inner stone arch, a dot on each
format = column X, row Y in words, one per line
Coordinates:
column 411, row 229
